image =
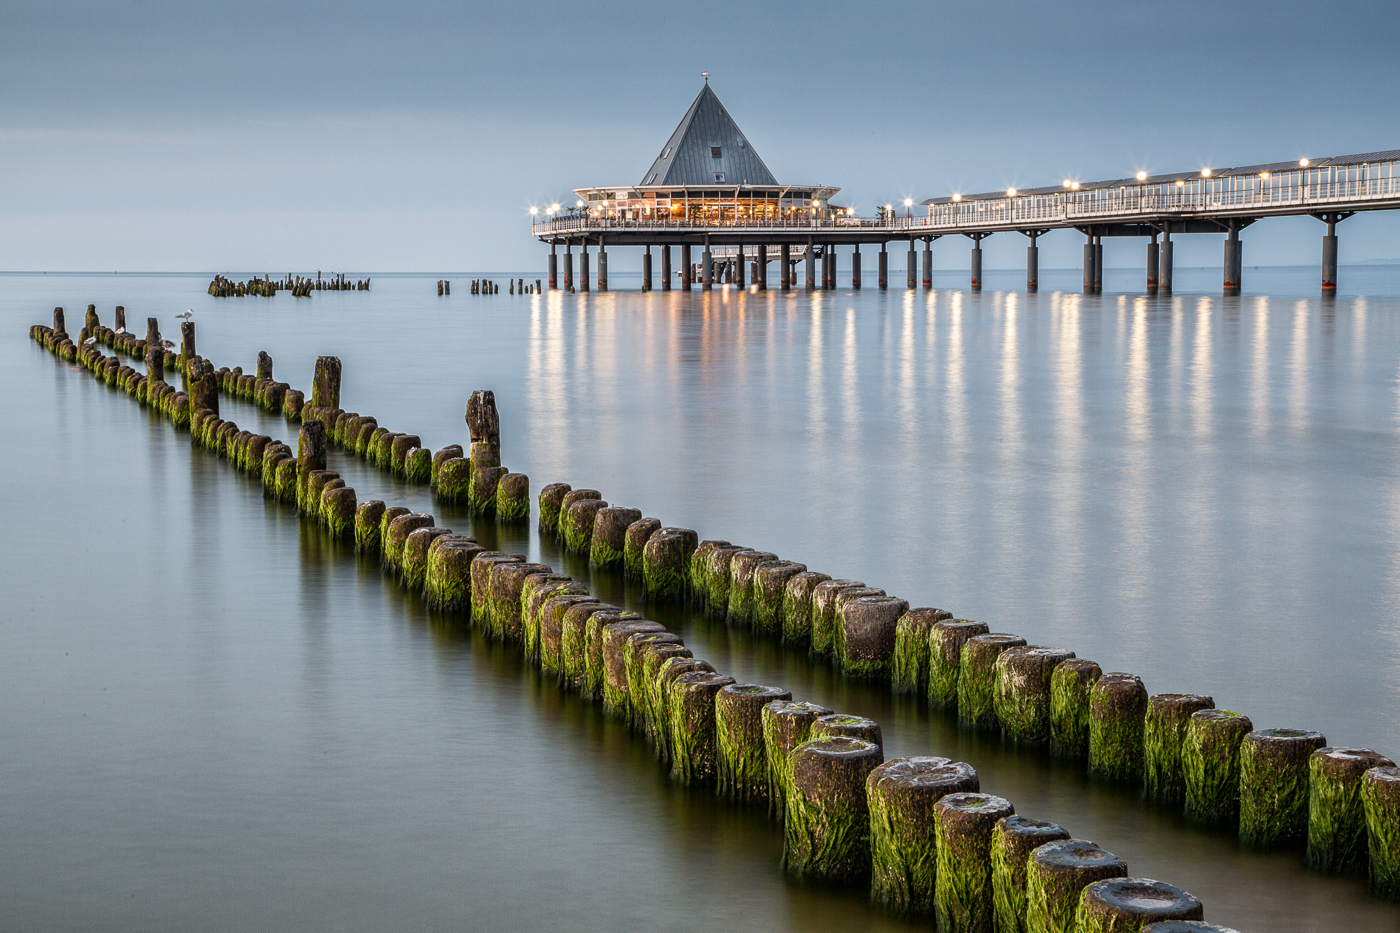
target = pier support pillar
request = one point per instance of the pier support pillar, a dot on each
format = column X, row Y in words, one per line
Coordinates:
column 785, row 274
column 811, row 272
column 707, row 268
column 602, row 267
column 855, row 267
column 911, row 271
column 976, row 281
column 882, row 272
column 760, row 277
column 830, row 251
column 1032, row 267
column 553, row 266
column 1089, row 264
column 646, row 270
column 739, row 269
column 666, row 268
column 1232, row 261
column 583, row 267
column 928, row 264
column 1164, row 261
column 1098, row 264
column 1152, row 264
column 568, row 266
column 1329, row 248
column 687, row 271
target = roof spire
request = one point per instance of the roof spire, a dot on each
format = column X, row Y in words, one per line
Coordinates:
column 707, row 148
column 706, row 76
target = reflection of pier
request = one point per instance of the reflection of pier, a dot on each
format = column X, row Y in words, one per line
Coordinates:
column 709, row 189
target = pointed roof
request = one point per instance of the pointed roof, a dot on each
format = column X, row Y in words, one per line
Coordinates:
column 706, row 144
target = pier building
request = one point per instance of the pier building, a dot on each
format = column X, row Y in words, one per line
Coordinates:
column 709, row 189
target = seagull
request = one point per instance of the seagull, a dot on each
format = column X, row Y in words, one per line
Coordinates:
column 167, row 345
column 119, row 330
column 186, row 316
column 90, row 341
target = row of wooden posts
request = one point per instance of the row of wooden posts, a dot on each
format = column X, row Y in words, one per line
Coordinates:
column 299, row 286
column 1275, row 787
column 487, row 287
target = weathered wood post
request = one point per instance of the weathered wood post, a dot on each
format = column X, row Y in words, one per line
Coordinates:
column 484, row 423
column 187, row 350
column 325, row 386
column 264, row 365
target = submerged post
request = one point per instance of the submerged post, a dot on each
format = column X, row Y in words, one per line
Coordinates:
column 785, row 274
column 977, row 262
column 1032, row 263
column 1232, row 259
column 1329, row 248
column 568, row 265
column 912, row 267
column 583, row 267
column 811, row 282
column 739, row 268
column 928, row 262
column 761, row 268
column 707, row 267
column 1098, row 263
column 1089, row 263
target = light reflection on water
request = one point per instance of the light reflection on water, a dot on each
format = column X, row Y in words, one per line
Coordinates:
column 1198, row 489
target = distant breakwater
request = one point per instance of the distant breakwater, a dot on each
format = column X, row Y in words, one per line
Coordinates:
column 299, row 286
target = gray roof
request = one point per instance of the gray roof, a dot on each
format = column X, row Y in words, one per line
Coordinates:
column 688, row 158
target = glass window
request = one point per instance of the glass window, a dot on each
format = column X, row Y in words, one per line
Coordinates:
column 714, row 152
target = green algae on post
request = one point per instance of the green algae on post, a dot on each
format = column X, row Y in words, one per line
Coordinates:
column 1336, row 815
column 742, row 567
column 573, row 645
column 414, row 564
column 909, row 665
column 1380, row 798
column 454, row 480
column 1274, row 785
column 693, row 759
column 699, row 581
column 450, row 452
column 797, row 607
column 855, row 727
column 1186, row 926
column 866, row 635
column 367, row 516
column 977, row 678
column 1125, row 905
column 637, row 649
column 963, row 825
column 339, row 508
column 826, row 824
column 1056, row 874
column 769, row 586
column 392, row 544
column 663, row 567
column 507, row 581
column 1117, row 705
column 564, row 525
column 717, row 579
column 823, row 613
column 742, row 761
column 901, row 795
column 1210, row 764
column 1070, row 687
column 418, row 466
column 643, row 690
column 578, row 519
column 659, row 700
column 1013, row 841
column 551, row 629
column 634, row 540
column 594, row 673
column 448, row 585
column 606, row 548
column 482, row 567
column 945, row 647
column 551, row 498
column 786, row 725
column 1021, row 696
column 616, row 700
column 1164, row 732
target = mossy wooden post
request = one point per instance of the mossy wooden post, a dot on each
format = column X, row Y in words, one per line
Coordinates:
column 1163, row 734
column 482, row 567
column 598, row 622
column 513, row 498
column 1380, row 799
column 977, row 678
column 1126, row 905
column 286, row 484
column 717, row 579
column 909, row 663
column 770, row 581
column 1013, row 841
column 392, row 545
column 311, row 450
column 634, row 540
column 902, row 794
column 538, row 587
column 484, row 423
column 826, row 823
column 616, row 701
column 325, row 384
column 385, row 518
column 450, row 452
column 316, row 483
column 1185, row 926
column 187, row 350
column 338, row 506
column 693, row 726
column 699, row 580
column 945, row 647
column 607, row 544
column 58, row 324
column 1274, row 786
column 797, row 607
column 573, row 644
column 1210, row 764
column 663, row 567
column 1021, row 698
column 641, row 683
column 866, row 633
column 579, row 518
column 90, row 320
column 292, row 403
column 448, row 584
column 551, row 499
column 636, row 649
column 153, row 334
column 786, row 725
column 418, row 467
column 1056, row 874
column 155, row 365
column 253, row 454
column 1336, row 815
column 659, row 702
column 823, row 612
column 856, row 727
column 414, row 565
column 454, row 480
column 743, row 763
column 264, row 365
column 1117, row 706
column 963, row 825
column 1070, row 687
column 551, row 637
column 398, row 452
column 742, row 567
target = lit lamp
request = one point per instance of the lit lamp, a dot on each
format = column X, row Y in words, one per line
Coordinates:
column 1142, row 176
column 1205, row 173
column 1011, row 192
column 1303, row 163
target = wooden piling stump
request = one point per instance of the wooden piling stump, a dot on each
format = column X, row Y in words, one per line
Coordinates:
column 367, row 517
column 338, row 506
column 513, row 498
column 1210, row 765
column 413, row 569
column 902, row 794
column 577, row 520
column 1125, row 905
column 616, row 698
column 634, row 540
column 909, row 665
column 1164, row 733
column 770, row 582
column 1336, row 814
column 454, row 480
column 449, row 452
column 1117, row 707
column 866, row 635
column 742, row 568
column 1380, row 798
column 607, row 543
column 551, row 500
column 963, row 825
column 482, row 568
column 797, row 606
column 826, row 823
column 742, row 765
column 1057, row 874
column 1070, row 688
column 977, row 678
column 392, row 545
column 1021, row 699
column 693, row 727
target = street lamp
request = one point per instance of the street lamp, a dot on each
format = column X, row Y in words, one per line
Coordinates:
column 1303, row 163
column 1142, row 176
column 957, row 197
column 1011, row 192
column 1205, row 173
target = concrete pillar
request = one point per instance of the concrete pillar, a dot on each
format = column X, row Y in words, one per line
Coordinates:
column 1329, row 258
column 831, row 267
column 785, row 277
column 1089, row 264
column 913, row 267
column 687, row 273
column 976, row 264
column 739, row 269
column 646, row 270
column 1232, row 260
column 1032, row 266
column 760, row 277
column 882, row 277
column 602, row 267
column 1098, row 263
column 825, row 268
column 553, row 266
column 928, row 264
column 811, row 273
column 568, row 266
column 1164, row 262
column 1152, row 264
column 583, row 267
column 666, row 268
column 707, row 269
column 855, row 267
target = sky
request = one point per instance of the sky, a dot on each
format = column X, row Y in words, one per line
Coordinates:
column 414, row 136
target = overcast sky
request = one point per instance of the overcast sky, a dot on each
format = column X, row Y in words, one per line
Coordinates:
column 414, row 136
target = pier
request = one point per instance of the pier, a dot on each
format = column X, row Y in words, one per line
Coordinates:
column 709, row 190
